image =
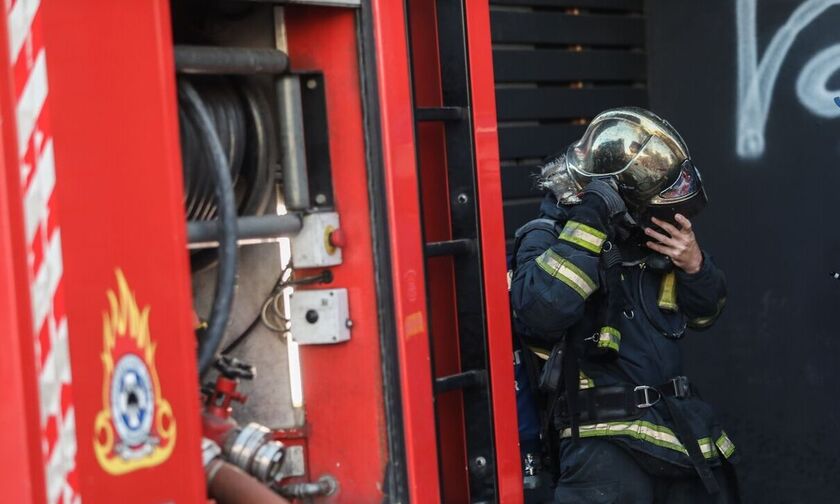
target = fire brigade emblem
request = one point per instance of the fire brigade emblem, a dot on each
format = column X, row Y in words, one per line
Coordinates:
column 135, row 428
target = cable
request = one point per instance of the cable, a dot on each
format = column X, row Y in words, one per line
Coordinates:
column 273, row 301
column 223, row 297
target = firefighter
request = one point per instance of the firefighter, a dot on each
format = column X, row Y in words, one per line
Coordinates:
column 605, row 283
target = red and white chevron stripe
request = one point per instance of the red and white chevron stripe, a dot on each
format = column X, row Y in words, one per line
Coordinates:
column 43, row 237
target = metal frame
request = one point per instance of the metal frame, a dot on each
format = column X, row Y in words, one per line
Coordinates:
column 396, row 470
column 464, row 205
column 476, row 245
column 494, row 267
column 405, row 224
column 323, row 3
column 345, row 383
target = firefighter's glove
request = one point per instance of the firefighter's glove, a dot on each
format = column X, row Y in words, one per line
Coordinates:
column 601, row 207
column 605, row 189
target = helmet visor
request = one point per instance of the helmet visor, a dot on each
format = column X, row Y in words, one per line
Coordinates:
column 686, row 196
column 688, row 183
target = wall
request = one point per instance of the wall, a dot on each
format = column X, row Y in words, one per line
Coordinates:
column 769, row 366
column 557, row 64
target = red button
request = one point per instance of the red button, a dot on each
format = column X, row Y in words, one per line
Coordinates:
column 338, row 239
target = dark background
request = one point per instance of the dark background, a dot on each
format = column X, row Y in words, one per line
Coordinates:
column 769, row 365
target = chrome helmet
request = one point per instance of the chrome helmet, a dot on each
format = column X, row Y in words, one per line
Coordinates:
column 645, row 155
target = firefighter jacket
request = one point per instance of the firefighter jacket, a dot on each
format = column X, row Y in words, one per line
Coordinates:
column 555, row 286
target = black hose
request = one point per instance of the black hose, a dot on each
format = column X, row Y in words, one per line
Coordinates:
column 220, row 172
column 239, row 110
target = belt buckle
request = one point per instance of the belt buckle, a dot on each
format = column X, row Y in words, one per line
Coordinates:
column 647, row 403
column 682, row 388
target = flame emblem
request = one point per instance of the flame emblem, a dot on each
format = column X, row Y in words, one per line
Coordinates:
column 136, row 427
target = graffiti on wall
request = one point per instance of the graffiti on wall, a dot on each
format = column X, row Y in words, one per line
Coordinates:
column 757, row 78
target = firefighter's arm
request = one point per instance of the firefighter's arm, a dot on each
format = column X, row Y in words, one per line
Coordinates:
column 701, row 286
column 702, row 295
column 555, row 274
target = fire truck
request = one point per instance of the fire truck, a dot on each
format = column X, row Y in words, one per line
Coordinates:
column 253, row 251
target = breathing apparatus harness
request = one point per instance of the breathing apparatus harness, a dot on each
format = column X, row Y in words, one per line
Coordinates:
column 565, row 403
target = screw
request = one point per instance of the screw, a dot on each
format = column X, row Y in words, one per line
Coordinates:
column 480, row 462
column 311, row 83
column 348, row 324
column 312, row 316
column 320, row 199
column 462, row 198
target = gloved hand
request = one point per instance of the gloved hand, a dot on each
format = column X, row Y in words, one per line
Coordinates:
column 601, row 207
column 605, row 190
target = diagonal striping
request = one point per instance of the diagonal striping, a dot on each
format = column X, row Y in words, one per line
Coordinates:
column 39, row 192
column 62, row 461
column 46, row 281
column 55, row 372
column 20, row 24
column 31, row 102
column 43, row 238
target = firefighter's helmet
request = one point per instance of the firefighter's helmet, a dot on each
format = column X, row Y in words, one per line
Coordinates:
column 647, row 157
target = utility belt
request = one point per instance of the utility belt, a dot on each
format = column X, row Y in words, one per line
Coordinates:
column 623, row 402
column 620, row 402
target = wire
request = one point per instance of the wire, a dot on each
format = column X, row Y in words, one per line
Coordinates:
column 223, row 297
column 272, row 307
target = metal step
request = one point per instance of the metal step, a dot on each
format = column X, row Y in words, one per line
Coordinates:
column 446, row 114
column 450, row 248
column 474, row 378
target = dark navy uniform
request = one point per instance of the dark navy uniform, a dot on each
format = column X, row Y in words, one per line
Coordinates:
column 557, row 290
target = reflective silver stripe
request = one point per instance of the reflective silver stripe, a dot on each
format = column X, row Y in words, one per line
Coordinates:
column 584, row 236
column 725, row 445
column 609, row 337
column 645, row 431
column 566, row 272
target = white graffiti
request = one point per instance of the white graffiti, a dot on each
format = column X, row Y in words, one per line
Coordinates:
column 757, row 80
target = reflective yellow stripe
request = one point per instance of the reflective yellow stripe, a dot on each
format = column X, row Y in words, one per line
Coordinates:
column 585, row 381
column 725, row 445
column 707, row 447
column 645, row 431
column 583, row 236
column 668, row 292
column 609, row 337
column 567, row 273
